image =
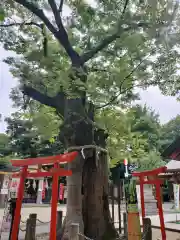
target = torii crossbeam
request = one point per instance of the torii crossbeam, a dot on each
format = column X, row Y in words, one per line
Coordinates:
column 55, row 172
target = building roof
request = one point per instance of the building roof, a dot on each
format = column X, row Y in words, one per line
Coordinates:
column 173, row 164
column 174, row 147
column 173, row 167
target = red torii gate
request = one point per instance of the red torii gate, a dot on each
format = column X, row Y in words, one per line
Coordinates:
column 157, row 182
column 55, row 172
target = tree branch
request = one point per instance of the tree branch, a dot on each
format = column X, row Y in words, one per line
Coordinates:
column 95, row 69
column 120, row 91
column 38, row 96
column 56, row 13
column 124, row 9
column 63, row 37
column 39, row 13
column 109, row 39
column 21, row 24
column 60, row 35
column 61, row 6
column 57, row 102
column 104, row 43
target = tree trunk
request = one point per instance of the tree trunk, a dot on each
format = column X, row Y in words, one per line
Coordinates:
column 74, row 197
column 96, row 214
column 87, row 202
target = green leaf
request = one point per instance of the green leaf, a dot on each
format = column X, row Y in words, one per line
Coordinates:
column 52, row 140
column 2, row 14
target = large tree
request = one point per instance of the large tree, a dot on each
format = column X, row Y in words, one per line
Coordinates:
column 169, row 132
column 102, row 45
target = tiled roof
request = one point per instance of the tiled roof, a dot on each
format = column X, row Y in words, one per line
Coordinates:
column 172, row 148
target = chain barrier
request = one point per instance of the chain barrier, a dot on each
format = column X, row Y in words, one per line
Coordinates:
column 22, row 230
column 87, row 238
column 24, row 221
column 82, row 235
column 43, row 222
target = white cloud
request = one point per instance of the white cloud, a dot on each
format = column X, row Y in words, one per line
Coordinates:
column 166, row 106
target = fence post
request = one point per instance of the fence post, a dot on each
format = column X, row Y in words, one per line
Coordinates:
column 112, row 201
column 74, row 231
column 59, row 223
column 125, row 224
column 31, row 227
column 147, row 231
column 59, row 219
column 119, row 205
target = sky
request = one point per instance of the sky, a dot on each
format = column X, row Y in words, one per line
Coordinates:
column 167, row 107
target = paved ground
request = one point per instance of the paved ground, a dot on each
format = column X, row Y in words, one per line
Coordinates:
column 169, row 235
column 44, row 213
column 43, row 216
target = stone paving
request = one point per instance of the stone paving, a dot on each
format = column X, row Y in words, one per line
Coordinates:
column 43, row 216
column 156, row 235
column 44, row 213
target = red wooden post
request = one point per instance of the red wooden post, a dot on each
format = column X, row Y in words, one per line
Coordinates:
column 161, row 217
column 142, row 196
column 19, row 200
column 54, row 204
column 56, row 172
column 157, row 183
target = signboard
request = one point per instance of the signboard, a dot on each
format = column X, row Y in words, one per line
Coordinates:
column 14, row 187
column 4, row 191
column 132, row 167
column 6, row 223
column 138, row 196
column 61, row 191
column 176, row 196
column 6, row 218
column 5, row 186
column 44, row 190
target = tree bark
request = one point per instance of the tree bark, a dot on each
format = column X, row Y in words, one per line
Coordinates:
column 87, row 202
column 97, row 220
column 74, row 198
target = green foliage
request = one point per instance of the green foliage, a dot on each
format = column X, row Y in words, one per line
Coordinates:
column 133, row 134
column 151, row 161
column 5, row 149
column 4, row 145
column 5, row 159
column 146, row 122
column 2, row 14
column 169, row 132
column 87, row 25
column 141, row 54
column 33, row 134
column 46, row 122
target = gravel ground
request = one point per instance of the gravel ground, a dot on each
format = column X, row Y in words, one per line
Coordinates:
column 169, row 235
